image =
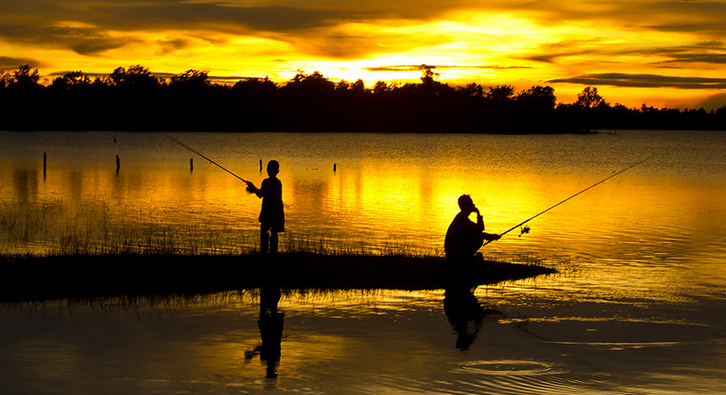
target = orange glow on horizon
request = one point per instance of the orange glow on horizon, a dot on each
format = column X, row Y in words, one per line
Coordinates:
column 566, row 46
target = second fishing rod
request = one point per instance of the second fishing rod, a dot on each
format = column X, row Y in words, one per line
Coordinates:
column 526, row 229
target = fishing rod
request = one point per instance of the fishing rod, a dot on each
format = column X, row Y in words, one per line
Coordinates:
column 203, row 156
column 526, row 228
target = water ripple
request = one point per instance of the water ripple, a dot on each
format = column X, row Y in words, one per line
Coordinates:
column 508, row 368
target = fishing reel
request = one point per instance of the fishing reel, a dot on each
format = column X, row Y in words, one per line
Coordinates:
column 523, row 230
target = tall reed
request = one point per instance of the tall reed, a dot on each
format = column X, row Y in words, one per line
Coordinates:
column 57, row 228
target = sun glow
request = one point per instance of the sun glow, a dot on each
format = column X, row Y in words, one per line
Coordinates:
column 521, row 44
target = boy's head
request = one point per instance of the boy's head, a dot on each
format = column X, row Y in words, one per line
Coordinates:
column 273, row 167
column 466, row 204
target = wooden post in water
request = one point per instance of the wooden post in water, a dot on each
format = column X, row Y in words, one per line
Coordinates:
column 118, row 163
column 191, row 164
column 260, row 165
column 45, row 164
column 335, row 167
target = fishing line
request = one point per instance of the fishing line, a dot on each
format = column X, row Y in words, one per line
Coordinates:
column 203, row 156
column 526, row 229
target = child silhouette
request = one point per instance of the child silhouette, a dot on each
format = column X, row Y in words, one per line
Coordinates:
column 272, row 216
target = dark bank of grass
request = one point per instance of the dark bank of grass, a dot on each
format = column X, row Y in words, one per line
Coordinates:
column 34, row 278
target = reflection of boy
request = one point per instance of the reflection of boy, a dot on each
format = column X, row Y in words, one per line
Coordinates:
column 464, row 237
column 272, row 216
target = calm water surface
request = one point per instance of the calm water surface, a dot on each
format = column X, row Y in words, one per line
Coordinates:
column 636, row 308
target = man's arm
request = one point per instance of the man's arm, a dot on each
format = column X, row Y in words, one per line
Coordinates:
column 491, row 236
column 479, row 220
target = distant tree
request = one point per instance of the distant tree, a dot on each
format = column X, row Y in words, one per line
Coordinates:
column 71, row 80
column 315, row 77
column 191, row 78
column 474, row 90
column 100, row 82
column 381, row 87
column 348, row 93
column 589, row 98
column 358, row 86
column 428, row 75
column 538, row 97
column 646, row 109
column 500, row 93
column 531, row 110
column 25, row 78
column 312, row 102
column 314, row 84
column 117, row 77
column 257, row 86
column 258, row 98
column 342, row 85
column 4, row 79
column 136, row 76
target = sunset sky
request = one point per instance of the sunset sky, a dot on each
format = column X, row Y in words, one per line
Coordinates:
column 663, row 53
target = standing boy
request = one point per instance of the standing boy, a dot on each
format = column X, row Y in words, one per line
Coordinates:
column 272, row 216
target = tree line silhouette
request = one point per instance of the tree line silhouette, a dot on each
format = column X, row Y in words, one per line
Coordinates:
column 134, row 99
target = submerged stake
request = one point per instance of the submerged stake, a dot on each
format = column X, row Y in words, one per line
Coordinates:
column 202, row 155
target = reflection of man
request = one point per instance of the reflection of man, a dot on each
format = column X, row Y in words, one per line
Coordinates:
column 464, row 237
column 463, row 309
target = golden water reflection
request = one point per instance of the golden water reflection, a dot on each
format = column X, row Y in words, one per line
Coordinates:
column 355, row 341
column 658, row 223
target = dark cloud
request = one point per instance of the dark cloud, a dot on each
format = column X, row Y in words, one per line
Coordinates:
column 552, row 57
column 712, row 52
column 699, row 16
column 317, row 30
column 125, row 15
column 44, row 22
column 328, row 43
column 10, row 63
column 706, row 17
column 211, row 16
column 696, row 58
column 311, row 26
column 440, row 67
column 396, row 68
column 287, row 15
column 645, row 81
column 84, row 41
column 551, row 52
column 170, row 45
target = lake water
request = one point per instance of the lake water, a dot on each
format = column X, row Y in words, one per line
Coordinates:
column 637, row 306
